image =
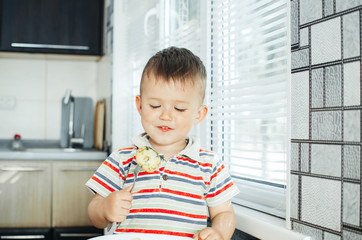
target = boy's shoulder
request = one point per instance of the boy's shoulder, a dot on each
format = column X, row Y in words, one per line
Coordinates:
column 203, row 152
column 206, row 156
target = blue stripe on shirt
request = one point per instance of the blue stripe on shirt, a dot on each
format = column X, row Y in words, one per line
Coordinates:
column 220, row 185
column 107, row 180
column 162, row 217
column 169, row 197
column 192, row 165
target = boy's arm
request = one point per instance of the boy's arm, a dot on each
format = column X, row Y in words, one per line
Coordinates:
column 95, row 214
column 222, row 223
column 223, row 219
column 113, row 208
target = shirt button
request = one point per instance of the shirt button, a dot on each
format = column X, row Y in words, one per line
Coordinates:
column 165, row 177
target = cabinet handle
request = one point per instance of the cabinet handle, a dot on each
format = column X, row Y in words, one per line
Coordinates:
column 23, row 169
column 78, row 169
column 80, row 234
column 50, row 46
column 23, row 237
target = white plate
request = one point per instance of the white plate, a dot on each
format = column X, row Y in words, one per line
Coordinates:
column 139, row 236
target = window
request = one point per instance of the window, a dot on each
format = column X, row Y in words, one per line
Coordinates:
column 247, row 96
column 247, row 121
column 142, row 29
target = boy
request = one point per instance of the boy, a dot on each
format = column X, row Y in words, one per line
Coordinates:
column 189, row 183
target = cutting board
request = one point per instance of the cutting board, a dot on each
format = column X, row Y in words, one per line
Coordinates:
column 99, row 114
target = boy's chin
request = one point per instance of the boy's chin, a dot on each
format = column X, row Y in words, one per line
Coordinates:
column 165, row 139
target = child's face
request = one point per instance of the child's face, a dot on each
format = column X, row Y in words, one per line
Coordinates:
column 168, row 111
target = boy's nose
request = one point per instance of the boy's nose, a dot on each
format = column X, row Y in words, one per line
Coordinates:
column 166, row 115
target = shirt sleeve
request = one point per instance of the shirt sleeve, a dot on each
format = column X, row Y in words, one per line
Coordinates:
column 222, row 187
column 109, row 177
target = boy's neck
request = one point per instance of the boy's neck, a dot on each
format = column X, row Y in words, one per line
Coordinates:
column 168, row 151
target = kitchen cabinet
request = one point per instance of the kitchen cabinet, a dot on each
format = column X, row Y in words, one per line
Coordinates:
column 46, row 199
column 43, row 193
column 70, row 195
column 71, row 198
column 52, row 26
column 25, row 194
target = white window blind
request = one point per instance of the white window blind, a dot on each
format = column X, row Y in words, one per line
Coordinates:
column 247, row 121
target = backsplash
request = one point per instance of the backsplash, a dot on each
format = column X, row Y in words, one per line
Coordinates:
column 36, row 83
column 326, row 118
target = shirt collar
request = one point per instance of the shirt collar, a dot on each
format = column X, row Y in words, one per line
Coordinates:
column 191, row 150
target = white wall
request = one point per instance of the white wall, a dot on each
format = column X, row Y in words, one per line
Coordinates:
column 32, row 86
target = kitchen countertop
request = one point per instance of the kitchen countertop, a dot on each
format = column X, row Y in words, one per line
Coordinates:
column 52, row 154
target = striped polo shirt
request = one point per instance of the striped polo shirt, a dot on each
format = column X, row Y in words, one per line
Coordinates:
column 172, row 200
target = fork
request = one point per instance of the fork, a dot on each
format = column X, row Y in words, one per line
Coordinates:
column 135, row 175
column 111, row 228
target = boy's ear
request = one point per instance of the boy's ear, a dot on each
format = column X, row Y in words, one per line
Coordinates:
column 201, row 114
column 138, row 103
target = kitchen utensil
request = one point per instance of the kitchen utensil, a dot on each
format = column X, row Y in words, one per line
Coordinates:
column 111, row 228
column 98, row 130
column 135, row 175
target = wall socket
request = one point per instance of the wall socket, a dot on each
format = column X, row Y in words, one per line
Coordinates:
column 7, row 102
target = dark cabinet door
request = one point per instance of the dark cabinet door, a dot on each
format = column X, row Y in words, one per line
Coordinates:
column 52, row 26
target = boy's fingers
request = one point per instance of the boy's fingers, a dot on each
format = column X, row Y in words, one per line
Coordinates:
column 129, row 188
column 205, row 233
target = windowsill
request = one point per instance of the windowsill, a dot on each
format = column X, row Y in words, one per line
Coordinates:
column 264, row 226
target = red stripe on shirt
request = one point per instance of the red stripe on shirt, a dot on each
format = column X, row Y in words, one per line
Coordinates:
column 128, row 160
column 180, row 234
column 194, row 162
column 127, row 149
column 143, row 173
column 220, row 190
column 108, row 164
column 182, row 193
column 124, row 149
column 202, row 150
column 103, row 184
column 217, row 172
column 184, row 175
column 151, row 190
column 159, row 210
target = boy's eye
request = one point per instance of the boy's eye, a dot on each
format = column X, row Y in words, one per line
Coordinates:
column 180, row 109
column 155, row 106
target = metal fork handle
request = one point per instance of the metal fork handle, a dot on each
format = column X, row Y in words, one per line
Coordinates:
column 135, row 175
column 112, row 227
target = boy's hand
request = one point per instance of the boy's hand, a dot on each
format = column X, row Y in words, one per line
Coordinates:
column 116, row 205
column 208, row 234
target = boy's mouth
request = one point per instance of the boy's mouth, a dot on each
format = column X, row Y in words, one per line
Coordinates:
column 164, row 128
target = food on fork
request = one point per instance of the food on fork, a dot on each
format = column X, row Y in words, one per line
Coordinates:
column 148, row 159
